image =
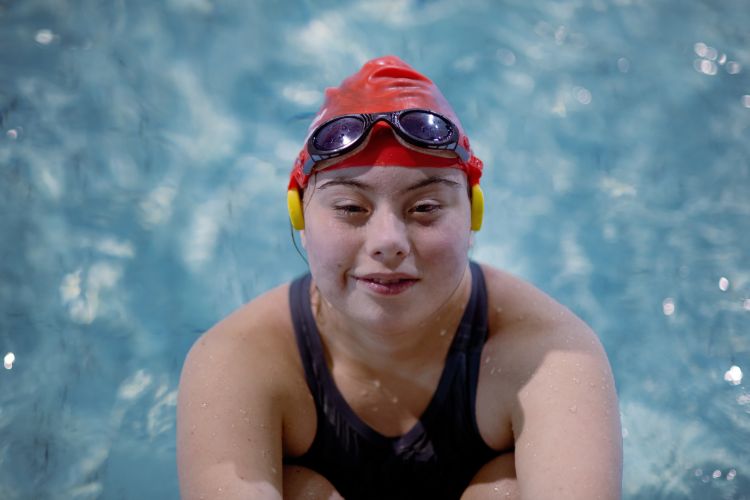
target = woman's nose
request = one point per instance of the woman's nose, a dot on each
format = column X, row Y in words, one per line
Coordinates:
column 387, row 238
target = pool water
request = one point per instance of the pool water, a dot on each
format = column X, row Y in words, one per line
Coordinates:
column 144, row 154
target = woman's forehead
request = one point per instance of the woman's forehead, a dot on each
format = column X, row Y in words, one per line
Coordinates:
column 389, row 175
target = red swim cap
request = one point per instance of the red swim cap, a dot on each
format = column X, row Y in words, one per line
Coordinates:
column 387, row 84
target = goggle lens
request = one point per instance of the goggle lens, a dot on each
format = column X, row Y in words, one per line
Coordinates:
column 426, row 127
column 339, row 133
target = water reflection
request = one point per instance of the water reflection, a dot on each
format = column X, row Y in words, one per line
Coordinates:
column 44, row 37
column 668, row 306
column 733, row 67
column 723, row 284
column 711, row 59
column 705, row 66
column 733, row 375
column 506, row 56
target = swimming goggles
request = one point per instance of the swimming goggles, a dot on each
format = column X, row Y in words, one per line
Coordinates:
column 419, row 127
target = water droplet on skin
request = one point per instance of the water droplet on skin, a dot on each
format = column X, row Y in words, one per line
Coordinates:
column 394, row 399
column 376, row 383
column 375, row 408
column 364, row 392
column 443, row 332
column 487, row 360
column 204, row 405
column 573, row 409
column 273, row 470
column 576, row 380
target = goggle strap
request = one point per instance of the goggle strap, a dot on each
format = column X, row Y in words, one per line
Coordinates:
column 462, row 153
column 308, row 166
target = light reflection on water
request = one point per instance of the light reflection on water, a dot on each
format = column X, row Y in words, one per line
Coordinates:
column 143, row 161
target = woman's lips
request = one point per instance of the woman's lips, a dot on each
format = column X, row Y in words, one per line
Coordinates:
column 387, row 286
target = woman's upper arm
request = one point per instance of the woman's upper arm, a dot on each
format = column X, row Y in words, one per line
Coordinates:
column 229, row 417
column 566, row 421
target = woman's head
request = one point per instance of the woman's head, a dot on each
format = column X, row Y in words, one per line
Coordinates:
column 385, row 95
column 387, row 224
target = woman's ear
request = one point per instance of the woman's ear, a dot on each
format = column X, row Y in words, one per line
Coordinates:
column 294, row 205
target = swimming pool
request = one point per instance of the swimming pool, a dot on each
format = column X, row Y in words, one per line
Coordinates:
column 144, row 154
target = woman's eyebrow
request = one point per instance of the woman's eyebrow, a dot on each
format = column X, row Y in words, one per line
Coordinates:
column 344, row 182
column 432, row 180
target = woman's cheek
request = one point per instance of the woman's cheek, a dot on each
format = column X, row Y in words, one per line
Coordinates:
column 444, row 242
column 330, row 250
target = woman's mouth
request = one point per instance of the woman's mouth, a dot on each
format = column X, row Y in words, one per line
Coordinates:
column 386, row 285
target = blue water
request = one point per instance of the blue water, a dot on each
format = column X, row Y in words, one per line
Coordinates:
column 144, row 154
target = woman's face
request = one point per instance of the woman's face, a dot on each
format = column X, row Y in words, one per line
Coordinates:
column 387, row 246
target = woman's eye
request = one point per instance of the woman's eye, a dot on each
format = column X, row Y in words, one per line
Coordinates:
column 426, row 208
column 349, row 209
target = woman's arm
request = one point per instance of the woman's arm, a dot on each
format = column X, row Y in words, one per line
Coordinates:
column 496, row 479
column 568, row 442
column 229, row 415
column 546, row 386
column 303, row 483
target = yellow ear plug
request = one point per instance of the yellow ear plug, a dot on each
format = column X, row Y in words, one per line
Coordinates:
column 294, row 204
column 477, row 207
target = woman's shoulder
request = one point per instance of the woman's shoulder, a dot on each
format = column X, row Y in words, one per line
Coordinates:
column 524, row 321
column 514, row 301
column 256, row 336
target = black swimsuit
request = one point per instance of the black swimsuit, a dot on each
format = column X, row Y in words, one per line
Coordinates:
column 437, row 458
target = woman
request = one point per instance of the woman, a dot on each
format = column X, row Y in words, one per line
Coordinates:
column 397, row 368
